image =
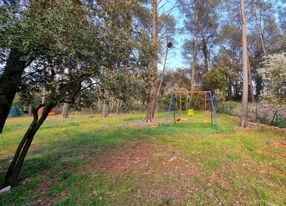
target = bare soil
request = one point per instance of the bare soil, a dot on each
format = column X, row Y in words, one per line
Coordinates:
column 161, row 172
column 277, row 144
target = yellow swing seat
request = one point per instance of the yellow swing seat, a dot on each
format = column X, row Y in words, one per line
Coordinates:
column 190, row 113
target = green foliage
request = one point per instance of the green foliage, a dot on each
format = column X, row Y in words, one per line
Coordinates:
column 68, row 41
column 217, row 79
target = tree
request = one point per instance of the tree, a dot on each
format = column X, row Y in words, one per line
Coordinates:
column 63, row 51
column 126, row 46
column 201, row 23
column 153, row 93
column 79, row 42
column 244, row 114
column 163, row 27
column 273, row 74
column 23, row 45
column 217, row 79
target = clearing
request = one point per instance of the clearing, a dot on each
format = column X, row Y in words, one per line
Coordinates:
column 87, row 160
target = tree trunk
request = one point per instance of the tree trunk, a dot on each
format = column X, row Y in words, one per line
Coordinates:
column 244, row 114
column 9, row 83
column 30, row 110
column 194, row 55
column 14, row 169
column 105, row 105
column 65, row 111
column 153, row 94
column 105, row 108
column 258, row 29
column 229, row 89
column 99, row 105
column 205, row 52
column 154, row 105
column 250, row 83
column 164, row 68
column 236, row 91
column 118, row 106
column 194, row 63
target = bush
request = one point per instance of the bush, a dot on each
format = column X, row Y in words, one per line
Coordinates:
column 262, row 112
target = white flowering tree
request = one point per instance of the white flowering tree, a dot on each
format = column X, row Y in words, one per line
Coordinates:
column 273, row 74
column 274, row 77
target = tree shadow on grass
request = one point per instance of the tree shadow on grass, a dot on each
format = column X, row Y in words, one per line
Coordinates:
column 74, row 144
column 58, row 162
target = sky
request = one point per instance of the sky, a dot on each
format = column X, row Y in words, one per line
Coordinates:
column 175, row 59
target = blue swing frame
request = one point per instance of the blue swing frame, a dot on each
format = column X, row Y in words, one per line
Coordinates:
column 172, row 107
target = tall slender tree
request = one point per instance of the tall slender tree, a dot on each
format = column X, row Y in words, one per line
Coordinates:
column 201, row 24
column 244, row 114
column 154, row 88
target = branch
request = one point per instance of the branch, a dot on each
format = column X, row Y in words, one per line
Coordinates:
column 36, row 110
column 167, row 13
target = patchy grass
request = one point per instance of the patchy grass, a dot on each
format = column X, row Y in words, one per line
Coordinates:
column 87, row 160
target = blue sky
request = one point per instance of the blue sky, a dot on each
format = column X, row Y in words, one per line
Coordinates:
column 175, row 59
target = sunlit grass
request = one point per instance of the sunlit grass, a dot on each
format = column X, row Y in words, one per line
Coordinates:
column 236, row 166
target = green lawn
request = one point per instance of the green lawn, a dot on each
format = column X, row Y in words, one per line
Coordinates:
column 87, row 160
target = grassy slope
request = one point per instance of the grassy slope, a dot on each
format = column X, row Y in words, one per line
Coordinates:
column 237, row 166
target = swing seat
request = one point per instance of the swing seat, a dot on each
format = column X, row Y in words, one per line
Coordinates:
column 190, row 113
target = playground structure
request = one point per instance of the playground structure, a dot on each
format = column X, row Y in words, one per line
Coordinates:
column 200, row 100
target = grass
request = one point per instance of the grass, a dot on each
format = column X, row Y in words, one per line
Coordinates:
column 233, row 166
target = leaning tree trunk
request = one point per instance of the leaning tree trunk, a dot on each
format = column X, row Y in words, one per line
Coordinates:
column 244, row 114
column 154, row 88
column 14, row 169
column 9, row 83
column 65, row 111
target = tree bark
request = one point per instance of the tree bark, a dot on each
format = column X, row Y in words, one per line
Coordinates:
column 10, row 81
column 164, row 68
column 194, row 56
column 14, row 169
column 250, row 82
column 105, row 109
column 118, row 106
column 65, row 111
column 258, row 28
column 105, row 105
column 194, row 63
column 229, row 89
column 30, row 110
column 244, row 114
column 205, row 52
column 154, row 88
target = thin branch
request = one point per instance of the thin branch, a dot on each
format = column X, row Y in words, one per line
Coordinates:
column 168, row 12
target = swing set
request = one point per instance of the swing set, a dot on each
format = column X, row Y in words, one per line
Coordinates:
column 191, row 101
